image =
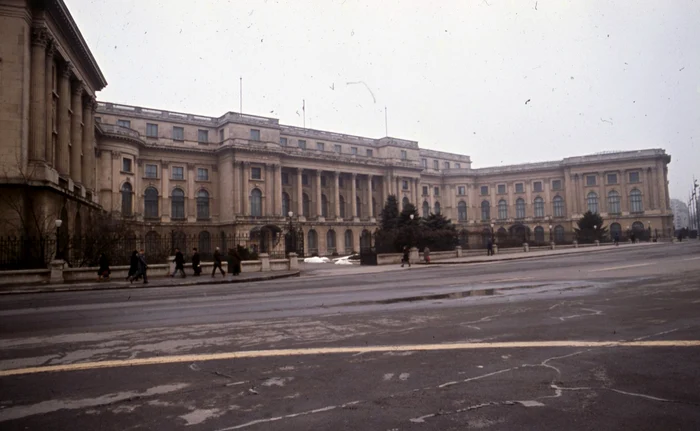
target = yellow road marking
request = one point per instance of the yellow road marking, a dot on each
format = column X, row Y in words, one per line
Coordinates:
column 336, row 350
column 623, row 267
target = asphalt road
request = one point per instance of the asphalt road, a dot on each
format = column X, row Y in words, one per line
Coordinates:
column 601, row 340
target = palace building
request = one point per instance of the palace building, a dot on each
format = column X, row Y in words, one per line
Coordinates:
column 168, row 171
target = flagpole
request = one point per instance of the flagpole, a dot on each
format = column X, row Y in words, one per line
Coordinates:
column 303, row 109
column 241, row 98
column 386, row 123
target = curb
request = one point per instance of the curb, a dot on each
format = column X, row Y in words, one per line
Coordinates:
column 93, row 287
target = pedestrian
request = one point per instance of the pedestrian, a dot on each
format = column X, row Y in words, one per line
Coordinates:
column 142, row 269
column 405, row 259
column 103, row 272
column 234, row 262
column 617, row 238
column 426, row 255
column 489, row 247
column 217, row 263
column 632, row 238
column 179, row 263
column 196, row 262
column 133, row 264
column 680, row 235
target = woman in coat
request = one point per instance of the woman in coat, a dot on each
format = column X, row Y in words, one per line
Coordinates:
column 103, row 272
column 133, row 264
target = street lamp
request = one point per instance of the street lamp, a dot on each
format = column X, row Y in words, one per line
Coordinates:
column 493, row 237
column 411, row 216
column 649, row 229
column 550, row 233
column 58, row 222
column 292, row 237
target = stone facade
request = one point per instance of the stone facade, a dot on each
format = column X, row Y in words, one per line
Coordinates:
column 169, row 171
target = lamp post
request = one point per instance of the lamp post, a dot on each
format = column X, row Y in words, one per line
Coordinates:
column 595, row 232
column 292, row 237
column 550, row 233
column 58, row 222
column 493, row 237
column 649, row 230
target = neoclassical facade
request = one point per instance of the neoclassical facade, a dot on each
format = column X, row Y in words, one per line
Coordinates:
column 165, row 171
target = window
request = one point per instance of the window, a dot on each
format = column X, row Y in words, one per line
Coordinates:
column 634, row 177
column 436, row 165
column 426, row 210
column 151, row 171
column 502, row 209
column 614, row 202
column 592, row 202
column 337, row 148
column 353, row 150
column 462, row 211
column 458, row 165
column 520, row 208
column 501, row 189
column 304, row 180
column 324, row 206
column 485, row 210
column 342, row 207
column 320, row 146
column 539, row 207
column 202, row 205
column 539, row 235
column 358, row 206
column 178, row 133
column 256, row 173
column 285, row 178
column 202, row 174
column 446, row 165
column 556, row 185
column 424, row 163
column 151, row 130
column 283, row 142
column 256, row 203
column 405, row 184
column 436, row 208
column 636, row 201
column 590, row 180
column 559, row 234
column 323, row 181
column 150, row 203
column 519, row 188
column 425, row 190
column 312, row 239
column 370, row 153
column 204, row 242
column 330, row 241
column 127, row 199
column 221, row 135
column 357, row 183
column 558, row 202
column 177, row 200
column 404, row 202
column 98, row 119
column 612, row 178
column 341, row 181
column 436, row 191
column 305, row 205
column 461, row 190
column 348, row 241
column 615, row 230
column 254, row 134
column 537, row 186
column 404, row 155
column 124, row 123
column 302, row 144
column 178, row 173
column 285, row 204
column 484, row 190
column 126, row 164
column 202, row 136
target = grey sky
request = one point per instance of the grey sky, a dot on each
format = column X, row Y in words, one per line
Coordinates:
column 455, row 76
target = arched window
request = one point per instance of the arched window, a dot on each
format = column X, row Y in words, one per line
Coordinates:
column 358, row 204
column 152, row 244
column 592, row 201
column 348, row 241
column 306, row 205
column 436, row 208
column 150, row 203
column 613, row 202
column 330, row 241
column 179, row 240
column 204, row 242
column 559, row 234
column 202, row 205
column 312, row 242
column 285, row 204
column 365, row 239
column 127, row 198
column 462, row 211
column 177, row 201
column 539, row 234
column 342, row 207
column 256, row 203
column 637, row 228
column 520, row 208
column 636, row 205
column 558, row 202
column 426, row 209
column 404, row 202
column 485, row 210
column 324, row 206
column 501, row 234
column 615, row 230
column 539, row 207
column 502, row 209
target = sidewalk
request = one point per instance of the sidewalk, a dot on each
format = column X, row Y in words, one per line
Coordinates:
column 173, row 282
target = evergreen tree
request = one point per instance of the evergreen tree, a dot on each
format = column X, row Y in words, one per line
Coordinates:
column 438, row 222
column 590, row 227
column 405, row 216
column 389, row 218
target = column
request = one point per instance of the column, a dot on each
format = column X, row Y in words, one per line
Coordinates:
column 370, row 208
column 63, row 150
column 651, row 184
column 336, row 194
column 89, row 143
column 76, row 133
column 602, row 196
column 416, row 192
column 37, row 94
column 399, row 191
column 353, row 197
column 660, row 186
column 190, row 192
column 319, row 210
column 300, row 193
column 245, row 193
column 624, row 194
column 236, row 187
column 164, row 190
column 48, row 92
column 278, row 190
column 269, row 195
column 225, row 174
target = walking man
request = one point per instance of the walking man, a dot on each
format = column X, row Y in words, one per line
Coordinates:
column 217, row 263
column 179, row 263
column 406, row 257
column 489, row 247
column 142, row 269
column 196, row 262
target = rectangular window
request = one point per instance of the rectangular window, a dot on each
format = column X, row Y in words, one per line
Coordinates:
column 341, row 182
column 304, row 180
column 323, row 181
column 446, row 165
column 285, row 178
column 221, row 135
column 98, row 119
column 357, row 183
column 501, row 189
column 461, row 190
column 484, row 190
column 537, row 186
column 283, row 142
column 370, row 153
column 405, row 184
column 556, row 185
column 436, row 165
column 612, row 178
column 424, row 163
column 178, row 133
column 436, row 191
column 353, row 150
column 458, row 166
column 590, row 180
column 634, row 177
column 178, row 173
column 519, row 188
column 254, row 134
column 256, row 173
column 124, row 123
column 425, row 190
column 320, row 146
column 126, row 164
column 404, row 155
column 151, row 171
column 338, row 149
column 151, row 130
column 203, row 136
column 302, row 144
column 202, row 174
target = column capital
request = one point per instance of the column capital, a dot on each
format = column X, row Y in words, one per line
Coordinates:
column 300, row 170
column 90, row 103
column 245, row 163
column 318, row 172
column 77, row 87
column 276, row 166
column 354, row 175
column 50, row 48
column 66, row 69
column 40, row 36
column 190, row 166
column 116, row 155
column 336, row 174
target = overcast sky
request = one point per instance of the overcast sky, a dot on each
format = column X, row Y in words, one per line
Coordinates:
column 455, row 76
